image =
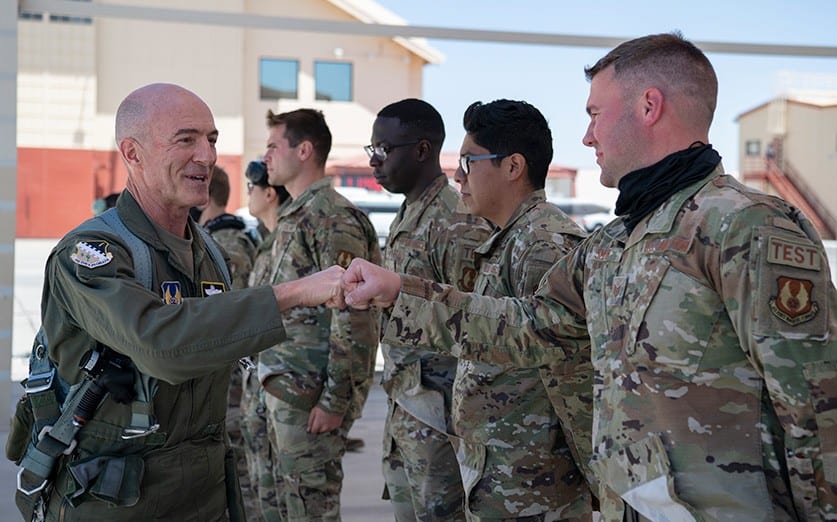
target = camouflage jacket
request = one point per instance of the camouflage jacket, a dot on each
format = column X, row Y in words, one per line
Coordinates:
column 241, row 251
column 713, row 340
column 434, row 237
column 502, row 413
column 328, row 358
column 182, row 332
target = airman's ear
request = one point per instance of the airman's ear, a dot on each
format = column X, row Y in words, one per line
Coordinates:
column 424, row 150
column 305, row 150
column 516, row 166
column 129, row 150
column 652, row 105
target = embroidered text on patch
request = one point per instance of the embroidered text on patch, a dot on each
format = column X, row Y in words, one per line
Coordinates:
column 793, row 303
column 91, row 254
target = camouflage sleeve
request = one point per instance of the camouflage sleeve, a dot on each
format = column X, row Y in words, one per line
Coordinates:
column 776, row 287
column 452, row 253
column 525, row 332
column 353, row 335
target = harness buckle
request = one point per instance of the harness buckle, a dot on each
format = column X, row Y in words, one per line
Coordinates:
column 39, row 382
column 28, row 492
column 135, row 432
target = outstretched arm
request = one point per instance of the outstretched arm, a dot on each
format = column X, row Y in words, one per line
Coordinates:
column 366, row 284
column 320, row 288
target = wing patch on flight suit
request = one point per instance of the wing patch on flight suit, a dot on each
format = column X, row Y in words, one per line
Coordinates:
column 91, row 254
column 344, row 258
column 792, row 304
column 212, row 287
column 171, row 292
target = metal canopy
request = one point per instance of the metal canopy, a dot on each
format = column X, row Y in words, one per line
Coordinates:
column 232, row 19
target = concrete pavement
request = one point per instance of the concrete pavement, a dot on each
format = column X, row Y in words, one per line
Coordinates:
column 363, row 483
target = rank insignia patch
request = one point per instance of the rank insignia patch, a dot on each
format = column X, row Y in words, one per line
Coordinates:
column 171, row 292
column 344, row 258
column 212, row 287
column 91, row 254
column 793, row 303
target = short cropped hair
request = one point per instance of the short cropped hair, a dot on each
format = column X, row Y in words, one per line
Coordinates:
column 421, row 118
column 509, row 126
column 219, row 187
column 304, row 125
column 668, row 62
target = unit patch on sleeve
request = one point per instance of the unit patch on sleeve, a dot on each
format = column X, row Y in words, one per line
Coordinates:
column 793, row 303
column 344, row 258
column 91, row 254
column 171, row 292
column 212, row 287
column 468, row 279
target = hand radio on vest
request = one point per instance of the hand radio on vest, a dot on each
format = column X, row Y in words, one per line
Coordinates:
column 110, row 372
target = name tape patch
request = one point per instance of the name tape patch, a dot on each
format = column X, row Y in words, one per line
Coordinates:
column 782, row 251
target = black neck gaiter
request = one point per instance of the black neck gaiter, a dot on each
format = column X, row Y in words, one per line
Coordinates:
column 643, row 190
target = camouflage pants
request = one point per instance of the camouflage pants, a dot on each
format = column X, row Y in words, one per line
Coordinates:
column 260, row 501
column 420, row 470
column 307, row 467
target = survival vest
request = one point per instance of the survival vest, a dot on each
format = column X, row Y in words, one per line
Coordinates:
column 43, row 427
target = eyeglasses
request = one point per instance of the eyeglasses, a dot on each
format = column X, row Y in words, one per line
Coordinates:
column 466, row 159
column 251, row 186
column 383, row 150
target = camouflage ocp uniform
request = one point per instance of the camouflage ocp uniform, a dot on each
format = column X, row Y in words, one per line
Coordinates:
column 254, row 426
column 713, row 340
column 433, row 237
column 514, row 458
column 228, row 231
column 329, row 356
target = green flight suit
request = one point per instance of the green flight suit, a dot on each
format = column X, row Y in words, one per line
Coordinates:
column 186, row 333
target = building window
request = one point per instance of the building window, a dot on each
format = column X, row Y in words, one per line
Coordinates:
column 752, row 148
column 278, row 78
column 333, row 81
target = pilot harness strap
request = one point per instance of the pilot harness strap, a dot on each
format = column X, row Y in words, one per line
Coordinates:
column 54, row 425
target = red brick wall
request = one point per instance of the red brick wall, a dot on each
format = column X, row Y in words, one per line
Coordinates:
column 56, row 187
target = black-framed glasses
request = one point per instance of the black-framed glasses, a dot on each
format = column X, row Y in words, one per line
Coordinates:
column 466, row 159
column 383, row 150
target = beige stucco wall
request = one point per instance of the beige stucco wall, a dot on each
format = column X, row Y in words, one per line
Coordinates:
column 72, row 77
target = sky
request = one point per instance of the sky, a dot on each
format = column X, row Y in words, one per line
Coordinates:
column 552, row 77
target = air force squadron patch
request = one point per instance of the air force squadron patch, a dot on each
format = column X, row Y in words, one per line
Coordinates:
column 792, row 303
column 91, row 254
column 171, row 292
column 209, row 288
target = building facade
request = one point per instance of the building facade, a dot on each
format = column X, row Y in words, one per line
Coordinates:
column 788, row 147
column 74, row 71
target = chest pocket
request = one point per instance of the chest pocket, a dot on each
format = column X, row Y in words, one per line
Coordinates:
column 409, row 256
column 289, row 249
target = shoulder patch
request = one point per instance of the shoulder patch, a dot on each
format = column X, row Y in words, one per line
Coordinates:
column 344, row 258
column 91, row 254
column 209, row 288
column 468, row 279
column 783, row 251
column 792, row 303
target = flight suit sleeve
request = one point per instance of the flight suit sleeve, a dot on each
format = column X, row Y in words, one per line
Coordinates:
column 776, row 287
column 353, row 336
column 525, row 332
column 92, row 289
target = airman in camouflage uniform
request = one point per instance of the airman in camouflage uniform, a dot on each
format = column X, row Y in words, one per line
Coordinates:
column 265, row 201
column 514, row 458
column 709, row 305
column 318, row 380
column 183, row 332
column 228, row 231
column 433, row 236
